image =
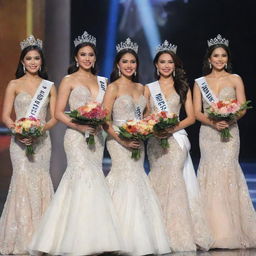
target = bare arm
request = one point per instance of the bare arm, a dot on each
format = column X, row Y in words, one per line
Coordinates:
column 108, row 102
column 147, row 96
column 9, row 97
column 62, row 100
column 52, row 121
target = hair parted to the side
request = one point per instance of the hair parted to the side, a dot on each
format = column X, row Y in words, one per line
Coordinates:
column 206, row 67
column 180, row 79
column 73, row 68
column 20, row 71
column 115, row 72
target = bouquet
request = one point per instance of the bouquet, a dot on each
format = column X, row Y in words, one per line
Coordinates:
column 163, row 121
column 226, row 110
column 136, row 130
column 28, row 127
column 92, row 114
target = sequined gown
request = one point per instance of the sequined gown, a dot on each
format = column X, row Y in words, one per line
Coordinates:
column 225, row 194
column 31, row 188
column 80, row 219
column 186, row 227
column 134, row 199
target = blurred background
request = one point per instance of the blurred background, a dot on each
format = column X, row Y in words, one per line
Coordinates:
column 186, row 23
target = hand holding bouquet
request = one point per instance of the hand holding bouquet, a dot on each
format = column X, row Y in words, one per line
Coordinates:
column 226, row 110
column 92, row 114
column 163, row 121
column 28, row 127
column 136, row 130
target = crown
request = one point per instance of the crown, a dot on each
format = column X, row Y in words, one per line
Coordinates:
column 128, row 44
column 166, row 46
column 217, row 40
column 31, row 41
column 85, row 38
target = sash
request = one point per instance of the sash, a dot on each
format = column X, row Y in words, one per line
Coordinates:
column 138, row 113
column 158, row 96
column 181, row 137
column 206, row 91
column 39, row 98
column 102, row 82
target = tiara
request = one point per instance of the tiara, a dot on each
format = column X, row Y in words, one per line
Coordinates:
column 217, row 40
column 85, row 38
column 128, row 44
column 166, row 46
column 31, row 41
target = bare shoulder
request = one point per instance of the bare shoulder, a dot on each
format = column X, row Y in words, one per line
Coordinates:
column 236, row 80
column 67, row 81
column 13, row 84
column 140, row 87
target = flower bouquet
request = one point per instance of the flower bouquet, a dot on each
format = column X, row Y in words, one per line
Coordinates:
column 226, row 110
column 136, row 130
column 164, row 120
column 92, row 114
column 28, row 127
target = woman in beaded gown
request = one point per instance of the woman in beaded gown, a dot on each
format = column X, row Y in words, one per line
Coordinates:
column 80, row 219
column 183, row 214
column 223, row 187
column 31, row 187
column 135, row 201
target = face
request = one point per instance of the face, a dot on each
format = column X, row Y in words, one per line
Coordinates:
column 32, row 61
column 165, row 64
column 86, row 57
column 218, row 58
column 127, row 65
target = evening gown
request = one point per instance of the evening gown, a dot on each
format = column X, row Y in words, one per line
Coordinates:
column 31, row 187
column 186, row 223
column 223, row 187
column 80, row 219
column 137, row 206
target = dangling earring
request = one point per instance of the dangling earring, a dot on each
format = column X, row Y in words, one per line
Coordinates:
column 157, row 72
column 24, row 69
column 135, row 73
column 77, row 65
column 93, row 64
column 210, row 65
column 119, row 72
column 173, row 73
column 40, row 68
column 226, row 65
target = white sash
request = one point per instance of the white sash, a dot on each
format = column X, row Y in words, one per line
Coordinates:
column 39, row 98
column 206, row 91
column 138, row 113
column 181, row 137
column 102, row 82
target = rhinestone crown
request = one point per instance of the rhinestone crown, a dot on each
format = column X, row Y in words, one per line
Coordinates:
column 217, row 40
column 85, row 38
column 128, row 44
column 31, row 41
column 166, row 46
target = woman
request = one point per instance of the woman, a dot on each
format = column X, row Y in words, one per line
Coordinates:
column 80, row 219
column 183, row 215
column 31, row 187
column 223, row 187
column 136, row 204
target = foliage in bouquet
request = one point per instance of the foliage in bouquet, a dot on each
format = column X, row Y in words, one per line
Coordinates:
column 92, row 114
column 226, row 110
column 164, row 120
column 28, row 127
column 136, row 130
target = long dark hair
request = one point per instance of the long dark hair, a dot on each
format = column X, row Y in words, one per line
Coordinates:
column 115, row 72
column 206, row 67
column 180, row 80
column 20, row 71
column 73, row 68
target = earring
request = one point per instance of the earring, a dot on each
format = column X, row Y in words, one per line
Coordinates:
column 157, row 72
column 210, row 65
column 119, row 72
column 24, row 69
column 77, row 65
column 40, row 68
column 135, row 73
column 93, row 64
column 226, row 65
column 173, row 73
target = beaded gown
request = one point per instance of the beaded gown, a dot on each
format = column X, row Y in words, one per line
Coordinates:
column 80, row 219
column 135, row 201
column 223, row 187
column 31, row 187
column 185, row 222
